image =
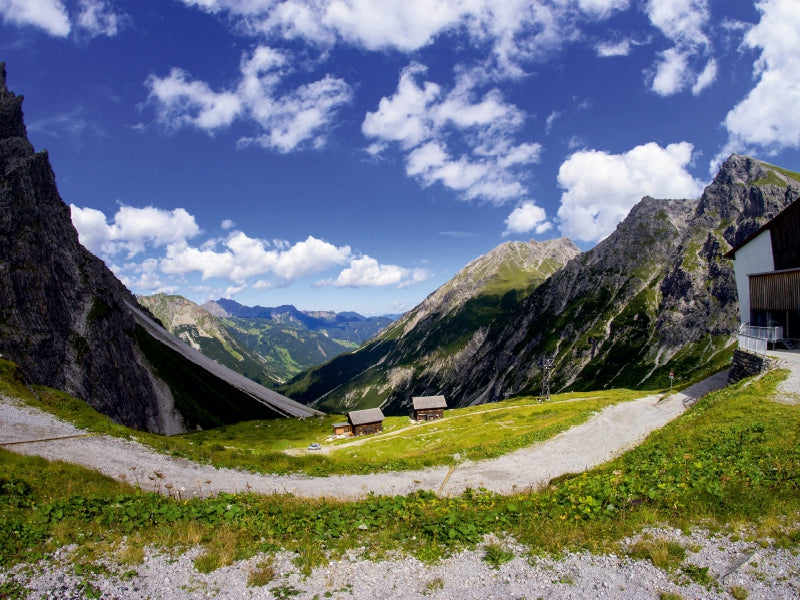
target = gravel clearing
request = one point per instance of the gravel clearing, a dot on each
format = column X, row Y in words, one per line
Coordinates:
column 735, row 568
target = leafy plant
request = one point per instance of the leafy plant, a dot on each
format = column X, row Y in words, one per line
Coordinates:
column 495, row 555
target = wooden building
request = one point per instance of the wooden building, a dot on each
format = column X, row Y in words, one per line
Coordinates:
column 428, row 408
column 366, row 421
column 342, row 428
column 767, row 268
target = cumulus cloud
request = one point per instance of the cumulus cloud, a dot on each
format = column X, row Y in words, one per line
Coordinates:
column 525, row 218
column 422, row 118
column 49, row 15
column 92, row 17
column 285, row 120
column 601, row 188
column 240, row 257
column 684, row 23
column 367, row 272
column 132, row 230
column 97, row 17
column 515, row 31
column 768, row 117
column 163, row 237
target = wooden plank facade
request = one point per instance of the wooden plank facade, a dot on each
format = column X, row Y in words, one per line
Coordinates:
column 428, row 408
column 779, row 290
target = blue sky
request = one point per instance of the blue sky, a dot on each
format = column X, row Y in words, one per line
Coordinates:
column 355, row 154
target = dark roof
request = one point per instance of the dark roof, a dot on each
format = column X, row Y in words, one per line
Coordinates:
column 342, row 424
column 795, row 205
column 362, row 417
column 428, row 402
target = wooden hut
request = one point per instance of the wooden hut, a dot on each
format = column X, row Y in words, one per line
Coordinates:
column 342, row 428
column 428, row 408
column 366, row 421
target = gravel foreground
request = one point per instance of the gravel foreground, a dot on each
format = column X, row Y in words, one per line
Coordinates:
column 716, row 567
column 725, row 568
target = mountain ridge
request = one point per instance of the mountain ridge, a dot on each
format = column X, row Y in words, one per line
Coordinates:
column 655, row 295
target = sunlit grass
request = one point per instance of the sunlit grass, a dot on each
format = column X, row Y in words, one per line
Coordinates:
column 280, row 445
column 731, row 463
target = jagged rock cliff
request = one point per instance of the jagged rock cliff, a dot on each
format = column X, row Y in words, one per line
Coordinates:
column 62, row 320
column 70, row 324
column 654, row 296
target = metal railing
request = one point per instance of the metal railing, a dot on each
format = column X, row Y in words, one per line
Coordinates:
column 757, row 345
column 770, row 334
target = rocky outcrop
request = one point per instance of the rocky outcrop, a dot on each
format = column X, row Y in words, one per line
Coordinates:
column 69, row 323
column 62, row 320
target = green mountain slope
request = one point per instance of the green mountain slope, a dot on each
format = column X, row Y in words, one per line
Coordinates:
column 656, row 295
column 440, row 332
column 267, row 345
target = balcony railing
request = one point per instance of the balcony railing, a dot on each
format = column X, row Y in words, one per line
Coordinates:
column 755, row 339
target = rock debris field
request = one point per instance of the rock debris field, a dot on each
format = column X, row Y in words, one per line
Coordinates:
column 736, row 565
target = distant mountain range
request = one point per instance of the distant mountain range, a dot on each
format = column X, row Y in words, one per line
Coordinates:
column 268, row 345
column 653, row 297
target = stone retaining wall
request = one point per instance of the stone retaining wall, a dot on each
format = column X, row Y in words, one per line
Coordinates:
column 747, row 364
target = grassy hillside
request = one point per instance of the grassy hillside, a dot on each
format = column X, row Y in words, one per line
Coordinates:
column 731, row 464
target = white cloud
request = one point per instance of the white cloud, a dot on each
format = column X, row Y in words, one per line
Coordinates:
column 91, row 17
column 50, row 15
column 367, row 272
column 768, row 117
column 97, row 18
column 607, row 49
column 514, row 31
column 181, row 102
column 602, row 8
column 705, row 78
column 601, row 188
column 684, row 23
column 424, row 120
column 133, row 229
column 227, row 224
column 285, row 120
column 242, row 257
column 527, row 217
column 672, row 73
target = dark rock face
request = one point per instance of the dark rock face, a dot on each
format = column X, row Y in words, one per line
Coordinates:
column 62, row 312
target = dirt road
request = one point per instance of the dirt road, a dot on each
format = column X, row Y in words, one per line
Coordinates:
column 607, row 434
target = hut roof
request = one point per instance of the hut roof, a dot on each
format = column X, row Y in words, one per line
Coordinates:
column 428, row 402
column 362, row 417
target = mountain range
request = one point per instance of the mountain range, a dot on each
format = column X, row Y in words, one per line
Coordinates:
column 268, row 345
column 655, row 296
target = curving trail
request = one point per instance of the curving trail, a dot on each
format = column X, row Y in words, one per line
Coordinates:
column 607, row 434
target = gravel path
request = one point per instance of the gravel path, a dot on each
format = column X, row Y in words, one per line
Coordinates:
column 607, row 434
column 736, row 568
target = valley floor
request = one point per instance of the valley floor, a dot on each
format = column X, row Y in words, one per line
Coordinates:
column 607, row 434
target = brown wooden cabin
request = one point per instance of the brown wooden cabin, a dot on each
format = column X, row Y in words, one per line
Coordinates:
column 366, row 421
column 428, row 408
column 343, row 428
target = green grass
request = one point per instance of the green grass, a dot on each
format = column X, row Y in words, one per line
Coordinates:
column 730, row 463
column 279, row 446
